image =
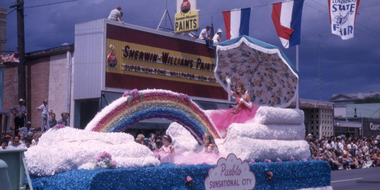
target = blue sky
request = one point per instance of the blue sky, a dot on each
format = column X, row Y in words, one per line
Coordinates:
column 347, row 66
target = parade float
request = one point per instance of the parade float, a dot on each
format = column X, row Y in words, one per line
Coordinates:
column 266, row 151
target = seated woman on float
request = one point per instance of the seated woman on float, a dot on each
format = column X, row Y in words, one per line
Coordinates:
column 242, row 112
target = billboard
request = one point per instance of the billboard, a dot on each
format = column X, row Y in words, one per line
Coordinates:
column 144, row 59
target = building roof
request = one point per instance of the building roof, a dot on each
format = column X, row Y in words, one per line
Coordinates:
column 352, row 96
column 51, row 51
column 342, row 98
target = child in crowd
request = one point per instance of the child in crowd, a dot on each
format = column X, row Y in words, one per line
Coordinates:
column 158, row 143
column 28, row 142
column 210, row 146
column 52, row 121
column 22, row 137
column 36, row 138
column 64, row 117
column 147, row 143
column 167, row 150
column 4, row 145
column 45, row 126
column 10, row 142
column 140, row 138
column 152, row 142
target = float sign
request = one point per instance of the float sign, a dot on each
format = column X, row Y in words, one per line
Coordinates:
column 230, row 173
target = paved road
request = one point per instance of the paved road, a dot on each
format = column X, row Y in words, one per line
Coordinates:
column 366, row 179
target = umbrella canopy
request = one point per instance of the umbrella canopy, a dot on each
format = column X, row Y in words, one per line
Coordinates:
column 266, row 72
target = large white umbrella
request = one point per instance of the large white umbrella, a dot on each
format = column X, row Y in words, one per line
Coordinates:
column 264, row 69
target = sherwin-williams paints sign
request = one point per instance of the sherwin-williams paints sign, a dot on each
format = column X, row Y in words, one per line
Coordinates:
column 142, row 59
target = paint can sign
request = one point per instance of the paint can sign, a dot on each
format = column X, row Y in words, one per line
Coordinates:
column 111, row 58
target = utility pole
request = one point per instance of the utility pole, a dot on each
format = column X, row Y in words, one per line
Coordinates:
column 21, row 48
column 320, row 69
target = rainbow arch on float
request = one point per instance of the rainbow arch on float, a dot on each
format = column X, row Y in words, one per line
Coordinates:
column 135, row 106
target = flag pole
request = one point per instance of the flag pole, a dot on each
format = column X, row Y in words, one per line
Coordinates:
column 298, row 81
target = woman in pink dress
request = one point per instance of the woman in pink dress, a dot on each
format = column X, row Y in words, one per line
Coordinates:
column 166, row 152
column 242, row 112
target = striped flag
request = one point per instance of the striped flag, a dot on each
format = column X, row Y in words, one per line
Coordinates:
column 237, row 22
column 286, row 18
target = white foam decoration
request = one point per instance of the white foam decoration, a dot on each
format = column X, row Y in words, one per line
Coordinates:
column 259, row 150
column 183, row 141
column 261, row 131
column 258, row 140
column 61, row 150
column 64, row 135
column 281, row 116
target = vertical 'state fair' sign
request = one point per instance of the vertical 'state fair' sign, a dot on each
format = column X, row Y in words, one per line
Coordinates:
column 342, row 17
column 230, row 173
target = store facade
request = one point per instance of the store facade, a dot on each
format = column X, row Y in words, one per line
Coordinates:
column 112, row 58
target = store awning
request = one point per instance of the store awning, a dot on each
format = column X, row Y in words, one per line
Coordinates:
column 154, row 123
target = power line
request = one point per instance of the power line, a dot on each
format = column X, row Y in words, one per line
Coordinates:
column 68, row 1
column 11, row 11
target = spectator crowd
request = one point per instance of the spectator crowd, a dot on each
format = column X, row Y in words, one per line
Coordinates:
column 346, row 153
column 153, row 141
column 23, row 135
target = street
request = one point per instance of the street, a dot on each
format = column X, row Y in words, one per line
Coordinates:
column 356, row 179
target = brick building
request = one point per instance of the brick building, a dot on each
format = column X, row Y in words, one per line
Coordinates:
column 46, row 77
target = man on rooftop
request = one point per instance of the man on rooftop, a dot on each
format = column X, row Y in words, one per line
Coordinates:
column 116, row 15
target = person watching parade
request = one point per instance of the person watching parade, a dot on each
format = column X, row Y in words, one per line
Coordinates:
column 116, row 15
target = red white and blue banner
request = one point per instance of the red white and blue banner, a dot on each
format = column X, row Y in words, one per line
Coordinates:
column 286, row 18
column 342, row 17
column 236, row 22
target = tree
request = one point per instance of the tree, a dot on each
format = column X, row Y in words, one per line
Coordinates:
column 369, row 99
